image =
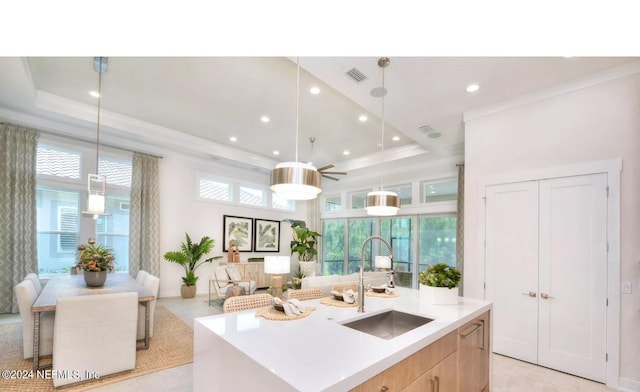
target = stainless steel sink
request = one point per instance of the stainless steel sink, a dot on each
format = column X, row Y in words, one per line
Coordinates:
column 389, row 324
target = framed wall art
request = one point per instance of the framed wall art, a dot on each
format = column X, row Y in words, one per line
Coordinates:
column 239, row 230
column 266, row 235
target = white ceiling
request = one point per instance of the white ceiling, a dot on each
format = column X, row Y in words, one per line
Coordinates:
column 194, row 104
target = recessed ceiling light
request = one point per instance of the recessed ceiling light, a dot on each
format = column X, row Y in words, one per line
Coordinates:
column 233, row 139
column 363, row 118
column 314, row 90
column 94, row 94
column 276, row 152
column 395, row 138
column 346, row 152
column 472, row 88
column 265, row 119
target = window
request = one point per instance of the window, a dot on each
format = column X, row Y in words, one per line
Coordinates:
column 332, row 203
column 333, row 246
column 432, row 238
column 359, row 230
column 358, row 200
column 68, row 228
column 53, row 161
column 444, row 190
column 215, row 189
column 113, row 230
column 58, row 225
column 116, row 171
column 60, row 198
column 399, row 233
column 252, row 196
column 281, row 203
column 437, row 241
column 404, row 192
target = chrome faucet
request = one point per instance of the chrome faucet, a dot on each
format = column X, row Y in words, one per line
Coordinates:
column 361, row 286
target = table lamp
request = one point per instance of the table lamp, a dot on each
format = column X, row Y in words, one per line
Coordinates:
column 384, row 263
column 277, row 265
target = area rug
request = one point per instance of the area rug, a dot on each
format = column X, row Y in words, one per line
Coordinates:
column 170, row 346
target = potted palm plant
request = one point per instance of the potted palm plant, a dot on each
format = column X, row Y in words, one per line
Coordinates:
column 438, row 284
column 189, row 257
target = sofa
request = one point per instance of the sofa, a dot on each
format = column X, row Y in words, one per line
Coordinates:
column 327, row 282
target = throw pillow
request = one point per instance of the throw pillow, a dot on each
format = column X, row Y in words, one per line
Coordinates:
column 233, row 272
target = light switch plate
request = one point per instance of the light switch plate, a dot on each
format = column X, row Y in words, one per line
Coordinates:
column 626, row 287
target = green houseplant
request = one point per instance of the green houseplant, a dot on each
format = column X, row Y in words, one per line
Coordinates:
column 305, row 241
column 189, row 257
column 438, row 284
column 96, row 261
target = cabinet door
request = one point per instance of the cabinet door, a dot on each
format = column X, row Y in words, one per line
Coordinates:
column 441, row 378
column 473, row 349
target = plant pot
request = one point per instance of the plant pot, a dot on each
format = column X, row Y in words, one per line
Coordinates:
column 296, row 283
column 95, row 278
column 439, row 295
column 188, row 291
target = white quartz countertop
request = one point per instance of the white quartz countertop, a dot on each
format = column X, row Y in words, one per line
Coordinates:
column 318, row 353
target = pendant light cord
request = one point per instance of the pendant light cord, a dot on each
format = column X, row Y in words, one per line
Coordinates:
column 98, row 124
column 297, row 103
column 384, row 92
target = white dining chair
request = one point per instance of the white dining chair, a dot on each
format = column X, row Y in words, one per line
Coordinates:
column 26, row 295
column 141, row 276
column 151, row 283
column 94, row 334
column 35, row 280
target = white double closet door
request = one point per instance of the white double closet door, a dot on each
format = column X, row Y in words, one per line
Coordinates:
column 546, row 270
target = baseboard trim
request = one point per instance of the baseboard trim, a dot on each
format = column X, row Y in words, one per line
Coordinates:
column 627, row 384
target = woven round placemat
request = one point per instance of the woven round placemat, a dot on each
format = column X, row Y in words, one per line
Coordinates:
column 382, row 295
column 271, row 313
column 331, row 301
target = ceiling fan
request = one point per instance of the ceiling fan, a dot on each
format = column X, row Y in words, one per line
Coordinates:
column 324, row 169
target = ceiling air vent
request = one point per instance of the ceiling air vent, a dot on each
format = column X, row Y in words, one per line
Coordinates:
column 432, row 133
column 356, row 75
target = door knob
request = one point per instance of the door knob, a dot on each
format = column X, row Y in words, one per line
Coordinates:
column 530, row 294
column 545, row 296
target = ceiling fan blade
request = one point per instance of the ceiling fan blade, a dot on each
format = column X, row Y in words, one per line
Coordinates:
column 331, row 178
column 340, row 173
column 325, row 167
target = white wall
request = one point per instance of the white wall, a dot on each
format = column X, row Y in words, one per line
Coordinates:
column 592, row 123
column 181, row 211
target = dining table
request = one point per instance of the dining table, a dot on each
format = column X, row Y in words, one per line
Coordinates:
column 74, row 285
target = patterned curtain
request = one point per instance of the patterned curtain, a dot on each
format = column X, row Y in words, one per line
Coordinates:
column 144, row 216
column 313, row 221
column 18, row 251
column 460, row 225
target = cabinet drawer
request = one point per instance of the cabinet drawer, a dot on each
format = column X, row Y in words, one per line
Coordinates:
column 400, row 375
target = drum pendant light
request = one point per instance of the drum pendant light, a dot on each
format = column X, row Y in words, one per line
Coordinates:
column 296, row 180
column 381, row 202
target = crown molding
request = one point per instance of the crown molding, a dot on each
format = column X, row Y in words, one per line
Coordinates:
column 558, row 89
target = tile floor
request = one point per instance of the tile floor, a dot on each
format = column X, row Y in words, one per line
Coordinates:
column 509, row 375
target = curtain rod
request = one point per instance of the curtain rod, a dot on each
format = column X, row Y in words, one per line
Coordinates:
column 102, row 144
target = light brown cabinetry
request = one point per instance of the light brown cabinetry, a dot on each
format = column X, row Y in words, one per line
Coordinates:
column 473, row 354
column 400, row 376
column 458, row 361
column 441, row 378
column 255, row 271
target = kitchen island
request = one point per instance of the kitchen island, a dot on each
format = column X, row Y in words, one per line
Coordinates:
column 242, row 352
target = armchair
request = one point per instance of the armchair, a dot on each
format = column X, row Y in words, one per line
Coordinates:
column 225, row 276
